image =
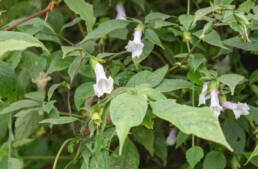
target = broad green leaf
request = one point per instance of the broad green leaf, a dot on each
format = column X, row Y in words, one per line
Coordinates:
column 26, row 124
column 161, row 147
column 54, row 87
column 237, row 43
column 253, row 77
column 200, row 13
column 253, row 154
column 74, row 68
column 246, row 6
column 235, row 135
column 103, row 55
column 71, row 50
column 85, row 10
column 196, row 60
column 231, row 80
column 37, row 96
column 214, row 160
column 226, row 2
column 186, row 20
column 4, row 120
column 147, row 49
column 125, row 116
column 129, row 159
column 212, row 38
column 146, row 77
column 200, row 122
column 153, row 37
column 195, row 77
column 155, row 16
column 13, row 41
column 58, row 63
column 181, row 138
column 100, row 160
column 168, row 85
column 8, row 82
column 22, row 104
column 105, row 28
column 151, row 93
column 194, row 155
column 14, row 163
column 145, row 137
column 82, row 92
column 59, row 120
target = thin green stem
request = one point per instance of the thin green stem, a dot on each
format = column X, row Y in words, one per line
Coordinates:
column 74, row 115
column 186, row 58
column 117, row 54
column 10, row 137
column 60, row 151
column 193, row 104
column 192, row 140
column 188, row 7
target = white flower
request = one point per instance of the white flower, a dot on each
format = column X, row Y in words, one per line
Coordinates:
column 238, row 108
column 135, row 46
column 202, row 96
column 120, row 12
column 171, row 139
column 215, row 106
column 103, row 85
column 41, row 82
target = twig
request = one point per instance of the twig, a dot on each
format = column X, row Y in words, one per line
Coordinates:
column 186, row 58
column 50, row 7
column 117, row 54
column 60, row 150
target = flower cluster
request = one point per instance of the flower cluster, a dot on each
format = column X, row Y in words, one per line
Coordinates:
column 237, row 108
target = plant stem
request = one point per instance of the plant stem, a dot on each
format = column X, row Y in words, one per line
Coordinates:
column 10, row 137
column 186, row 58
column 193, row 104
column 60, row 151
column 117, row 54
column 188, row 7
column 46, row 157
column 160, row 57
column 68, row 114
column 50, row 7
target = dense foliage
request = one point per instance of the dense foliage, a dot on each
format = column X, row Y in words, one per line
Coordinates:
column 110, row 84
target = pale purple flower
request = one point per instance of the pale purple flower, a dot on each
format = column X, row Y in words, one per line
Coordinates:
column 120, row 12
column 215, row 106
column 171, row 139
column 238, row 108
column 135, row 46
column 103, row 84
column 202, row 96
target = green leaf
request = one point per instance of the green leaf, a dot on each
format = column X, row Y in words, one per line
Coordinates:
column 100, row 160
column 85, row 10
column 155, row 16
column 235, row 135
column 74, row 68
column 58, row 63
column 226, row 2
column 26, row 124
column 124, row 115
column 129, row 159
column 186, row 20
column 14, row 163
column 13, row 41
column 22, row 104
column 231, row 80
column 59, row 120
column 71, row 51
column 83, row 92
column 4, row 120
column 8, row 82
column 200, row 122
column 200, row 13
column 153, row 37
column 151, row 93
column 237, row 43
column 54, row 87
column 246, row 6
column 145, row 137
column 105, row 28
column 146, row 77
column 253, row 77
column 196, row 60
column 212, row 38
column 161, row 147
column 181, row 138
column 168, row 85
column 194, row 155
column 214, row 160
column 37, row 96
column 253, row 154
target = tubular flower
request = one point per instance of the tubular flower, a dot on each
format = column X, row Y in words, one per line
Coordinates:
column 41, row 82
column 215, row 106
column 103, row 84
column 171, row 139
column 202, row 96
column 238, row 108
column 120, row 12
column 135, row 46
